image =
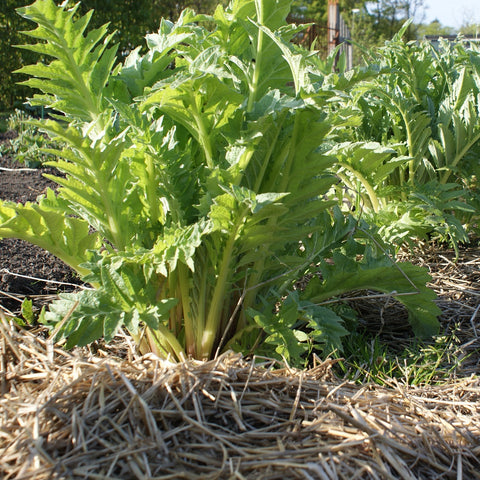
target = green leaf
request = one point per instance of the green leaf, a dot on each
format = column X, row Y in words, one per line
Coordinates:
column 74, row 82
column 281, row 335
column 179, row 244
column 27, row 311
column 404, row 282
column 45, row 224
column 327, row 328
column 296, row 61
column 203, row 105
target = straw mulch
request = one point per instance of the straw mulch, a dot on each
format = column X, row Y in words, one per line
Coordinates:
column 457, row 284
column 70, row 416
column 105, row 413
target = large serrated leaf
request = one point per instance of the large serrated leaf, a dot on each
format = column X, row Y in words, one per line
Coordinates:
column 68, row 238
column 405, row 282
column 75, row 81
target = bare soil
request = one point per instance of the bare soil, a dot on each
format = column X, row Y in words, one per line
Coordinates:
column 25, row 269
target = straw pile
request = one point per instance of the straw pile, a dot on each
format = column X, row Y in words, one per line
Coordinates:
column 104, row 413
column 68, row 416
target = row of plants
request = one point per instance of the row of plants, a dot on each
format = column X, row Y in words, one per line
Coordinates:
column 27, row 147
column 207, row 177
column 420, row 178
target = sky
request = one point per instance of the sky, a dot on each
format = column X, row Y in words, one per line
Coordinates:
column 453, row 13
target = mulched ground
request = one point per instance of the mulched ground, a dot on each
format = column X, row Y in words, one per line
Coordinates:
column 78, row 415
column 104, row 412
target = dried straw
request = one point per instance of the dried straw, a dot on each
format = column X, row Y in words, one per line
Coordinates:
column 79, row 416
column 104, row 413
column 457, row 284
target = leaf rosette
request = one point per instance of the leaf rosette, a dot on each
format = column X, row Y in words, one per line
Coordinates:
column 193, row 193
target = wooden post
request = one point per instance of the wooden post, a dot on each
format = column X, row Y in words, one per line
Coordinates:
column 339, row 33
column 333, row 24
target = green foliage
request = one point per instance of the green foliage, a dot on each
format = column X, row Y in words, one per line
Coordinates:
column 389, row 15
column 434, row 28
column 418, row 179
column 194, row 195
column 11, row 26
column 366, row 359
column 299, row 328
column 30, row 144
column 128, row 20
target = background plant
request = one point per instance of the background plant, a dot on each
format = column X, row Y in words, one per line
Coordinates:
column 419, row 177
column 194, row 196
column 28, row 147
column 366, row 359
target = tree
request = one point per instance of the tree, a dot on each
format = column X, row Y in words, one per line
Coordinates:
column 391, row 14
column 470, row 29
column 11, row 25
column 435, row 28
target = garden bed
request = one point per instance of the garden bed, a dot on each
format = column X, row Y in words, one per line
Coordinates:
column 24, row 268
column 105, row 412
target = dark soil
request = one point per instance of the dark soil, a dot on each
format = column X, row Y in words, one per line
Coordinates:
column 19, row 259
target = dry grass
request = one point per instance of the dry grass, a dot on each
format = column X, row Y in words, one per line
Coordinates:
column 109, row 414
column 457, row 284
column 68, row 416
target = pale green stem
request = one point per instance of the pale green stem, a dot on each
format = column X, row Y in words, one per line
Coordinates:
column 459, row 157
column 188, row 320
column 411, row 171
column 114, row 229
column 175, row 317
column 218, row 298
column 369, row 189
column 411, row 153
column 162, row 342
column 201, row 305
column 151, row 192
column 166, row 342
column 253, row 87
column 203, row 135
